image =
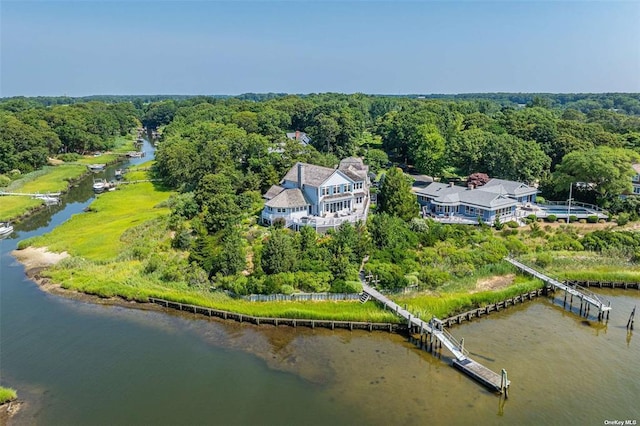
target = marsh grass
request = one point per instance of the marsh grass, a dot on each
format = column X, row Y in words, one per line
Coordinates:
column 125, row 279
column 12, row 207
column 588, row 266
column 96, row 234
column 46, row 180
column 447, row 304
column 7, row 394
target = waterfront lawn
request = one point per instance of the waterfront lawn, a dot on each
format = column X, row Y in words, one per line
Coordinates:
column 12, row 207
column 46, row 180
column 96, row 234
column 53, row 179
column 122, row 145
column 7, row 394
column 443, row 305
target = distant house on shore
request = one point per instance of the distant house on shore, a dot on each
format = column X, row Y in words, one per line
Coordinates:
column 320, row 197
column 498, row 198
column 299, row 136
column 635, row 180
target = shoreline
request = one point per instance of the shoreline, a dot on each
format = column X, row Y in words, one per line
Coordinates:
column 70, row 183
column 36, row 260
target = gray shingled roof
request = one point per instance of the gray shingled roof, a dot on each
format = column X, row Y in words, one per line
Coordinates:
column 353, row 173
column 292, row 197
column 636, row 168
column 486, row 199
column 273, row 191
column 313, row 175
column 437, row 189
column 502, row 186
column 354, row 162
column 446, row 194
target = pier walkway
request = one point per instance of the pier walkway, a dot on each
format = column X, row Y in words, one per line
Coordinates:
column 434, row 330
column 583, row 294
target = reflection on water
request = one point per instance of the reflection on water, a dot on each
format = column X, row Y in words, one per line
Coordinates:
column 84, row 363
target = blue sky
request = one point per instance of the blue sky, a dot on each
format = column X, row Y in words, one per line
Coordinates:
column 81, row 48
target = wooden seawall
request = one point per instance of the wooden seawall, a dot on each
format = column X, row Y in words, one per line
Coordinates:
column 604, row 284
column 495, row 307
column 292, row 322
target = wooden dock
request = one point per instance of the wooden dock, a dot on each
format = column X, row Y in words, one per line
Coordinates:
column 586, row 296
column 435, row 333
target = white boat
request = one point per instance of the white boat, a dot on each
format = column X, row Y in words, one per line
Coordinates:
column 119, row 173
column 96, row 167
column 100, row 185
column 5, row 229
column 49, row 199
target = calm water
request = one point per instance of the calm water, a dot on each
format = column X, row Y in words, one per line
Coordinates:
column 78, row 363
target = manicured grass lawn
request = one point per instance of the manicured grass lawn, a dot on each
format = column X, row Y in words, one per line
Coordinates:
column 7, row 394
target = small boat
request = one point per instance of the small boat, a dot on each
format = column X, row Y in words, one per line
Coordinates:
column 119, row 173
column 100, row 185
column 49, row 199
column 5, row 229
column 96, row 167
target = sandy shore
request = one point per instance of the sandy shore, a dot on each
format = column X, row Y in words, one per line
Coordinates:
column 38, row 258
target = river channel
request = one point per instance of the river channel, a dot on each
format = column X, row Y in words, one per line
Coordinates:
column 81, row 363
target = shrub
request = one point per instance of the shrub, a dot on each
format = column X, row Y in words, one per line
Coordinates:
column 583, row 221
column 592, row 219
column 279, row 222
column 531, row 218
column 622, row 219
column 341, row 286
column 512, row 224
column 69, row 157
column 573, row 218
column 552, row 218
column 543, row 260
column 4, row 181
column 540, row 200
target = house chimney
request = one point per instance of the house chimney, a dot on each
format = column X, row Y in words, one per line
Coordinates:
column 471, row 186
column 451, row 184
column 300, row 175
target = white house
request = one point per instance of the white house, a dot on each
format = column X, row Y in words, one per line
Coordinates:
column 635, row 181
column 320, row 197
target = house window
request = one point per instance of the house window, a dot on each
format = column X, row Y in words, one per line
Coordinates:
column 636, row 189
column 348, row 187
column 358, row 200
column 470, row 211
column 279, row 210
column 357, row 185
column 336, row 189
column 325, row 190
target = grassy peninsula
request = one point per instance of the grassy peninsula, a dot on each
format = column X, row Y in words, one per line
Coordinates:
column 7, row 395
column 55, row 178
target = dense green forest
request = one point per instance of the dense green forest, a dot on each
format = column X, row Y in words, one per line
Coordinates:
column 222, row 153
